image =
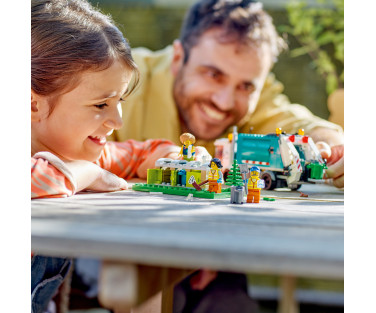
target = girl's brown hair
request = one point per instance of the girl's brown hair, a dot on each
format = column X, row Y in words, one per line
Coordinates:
column 69, row 37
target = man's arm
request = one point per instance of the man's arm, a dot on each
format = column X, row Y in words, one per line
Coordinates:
column 331, row 136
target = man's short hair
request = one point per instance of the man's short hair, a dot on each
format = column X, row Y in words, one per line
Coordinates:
column 243, row 21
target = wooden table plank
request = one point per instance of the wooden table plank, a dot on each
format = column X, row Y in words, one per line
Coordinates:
column 301, row 238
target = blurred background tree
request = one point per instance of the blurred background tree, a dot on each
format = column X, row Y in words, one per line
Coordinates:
column 319, row 29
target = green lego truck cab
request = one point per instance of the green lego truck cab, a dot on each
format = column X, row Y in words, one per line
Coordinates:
column 285, row 160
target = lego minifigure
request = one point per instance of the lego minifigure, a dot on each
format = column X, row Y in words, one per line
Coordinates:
column 254, row 185
column 187, row 150
column 215, row 176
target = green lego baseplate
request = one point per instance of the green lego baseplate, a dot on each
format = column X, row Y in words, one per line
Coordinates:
column 182, row 191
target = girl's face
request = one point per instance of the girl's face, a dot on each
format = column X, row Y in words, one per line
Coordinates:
column 82, row 118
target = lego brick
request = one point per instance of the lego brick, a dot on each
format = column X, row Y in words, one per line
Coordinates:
column 182, row 191
column 154, row 176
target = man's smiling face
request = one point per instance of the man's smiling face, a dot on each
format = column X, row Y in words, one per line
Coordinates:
column 218, row 84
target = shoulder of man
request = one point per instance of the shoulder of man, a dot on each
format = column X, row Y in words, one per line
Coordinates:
column 147, row 59
column 272, row 87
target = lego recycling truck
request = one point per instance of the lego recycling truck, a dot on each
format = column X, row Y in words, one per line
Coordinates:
column 285, row 160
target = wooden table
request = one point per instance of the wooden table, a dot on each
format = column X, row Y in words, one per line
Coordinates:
column 143, row 235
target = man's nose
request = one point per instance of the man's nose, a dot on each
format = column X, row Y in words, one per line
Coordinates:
column 224, row 98
column 114, row 120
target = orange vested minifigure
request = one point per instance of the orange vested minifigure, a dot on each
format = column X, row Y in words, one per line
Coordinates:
column 254, row 185
column 215, row 176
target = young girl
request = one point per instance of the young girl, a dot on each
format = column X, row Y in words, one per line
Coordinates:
column 81, row 67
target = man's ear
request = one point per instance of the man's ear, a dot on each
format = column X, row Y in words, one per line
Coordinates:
column 38, row 108
column 177, row 58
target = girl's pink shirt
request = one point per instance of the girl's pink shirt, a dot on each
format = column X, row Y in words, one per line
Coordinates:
column 119, row 158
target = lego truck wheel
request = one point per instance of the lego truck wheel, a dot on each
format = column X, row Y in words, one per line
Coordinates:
column 295, row 186
column 269, row 179
column 287, row 160
column 225, row 174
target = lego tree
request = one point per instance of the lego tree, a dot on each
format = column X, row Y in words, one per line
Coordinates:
column 234, row 177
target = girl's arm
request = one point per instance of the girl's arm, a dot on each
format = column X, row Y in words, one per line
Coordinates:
column 51, row 177
column 48, row 180
column 132, row 158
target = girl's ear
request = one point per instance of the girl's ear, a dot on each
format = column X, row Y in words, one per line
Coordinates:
column 38, row 104
column 177, row 58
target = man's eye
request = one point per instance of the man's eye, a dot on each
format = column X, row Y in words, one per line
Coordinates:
column 248, row 87
column 101, row 106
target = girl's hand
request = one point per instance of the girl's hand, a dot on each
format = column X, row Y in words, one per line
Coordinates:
column 202, row 154
column 171, row 152
column 163, row 151
column 90, row 176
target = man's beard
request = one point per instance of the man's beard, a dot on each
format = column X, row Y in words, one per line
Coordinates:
column 184, row 103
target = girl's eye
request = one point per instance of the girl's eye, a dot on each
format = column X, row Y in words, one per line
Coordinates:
column 101, row 106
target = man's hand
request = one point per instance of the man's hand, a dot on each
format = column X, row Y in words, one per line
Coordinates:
column 335, row 156
column 90, row 176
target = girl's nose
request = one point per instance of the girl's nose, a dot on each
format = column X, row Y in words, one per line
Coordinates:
column 114, row 120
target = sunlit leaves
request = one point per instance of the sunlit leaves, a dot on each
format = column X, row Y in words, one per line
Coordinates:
column 320, row 31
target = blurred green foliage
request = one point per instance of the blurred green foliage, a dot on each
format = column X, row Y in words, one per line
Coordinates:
column 319, row 29
column 268, row 280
